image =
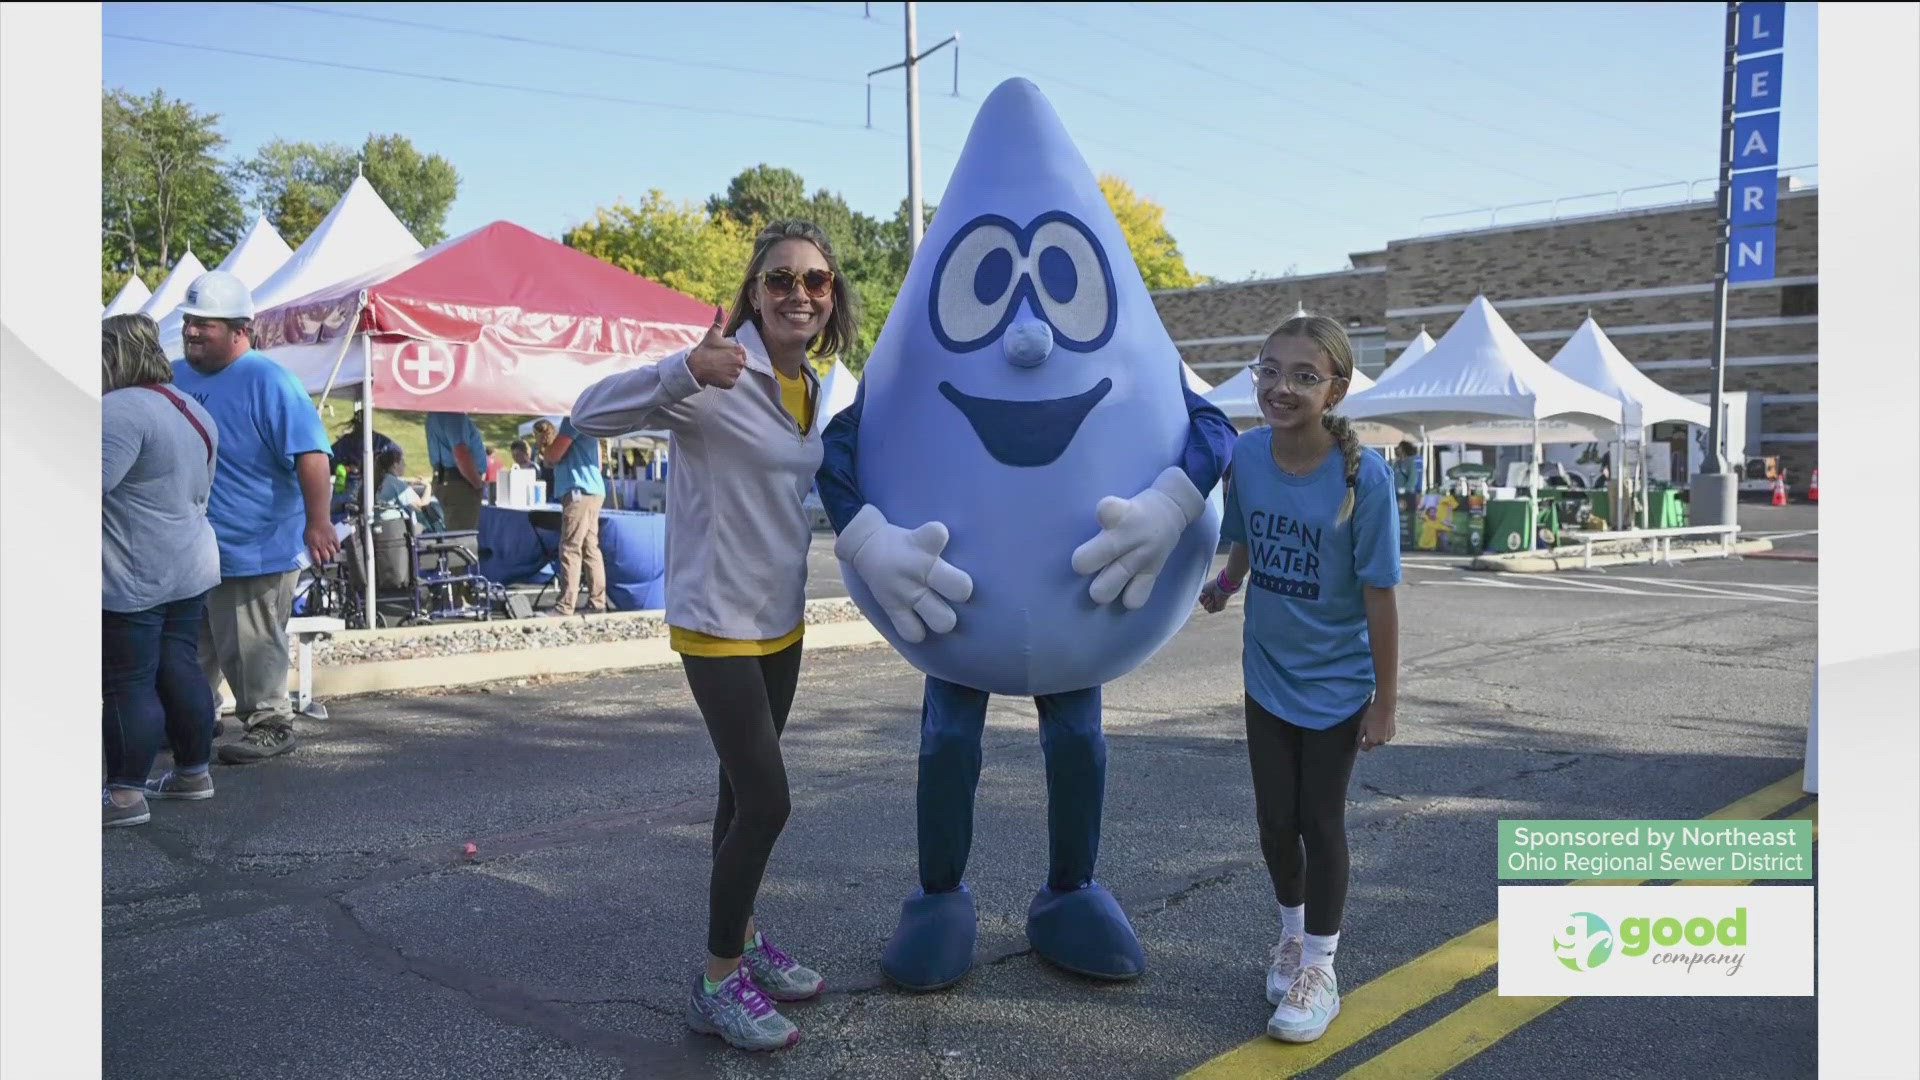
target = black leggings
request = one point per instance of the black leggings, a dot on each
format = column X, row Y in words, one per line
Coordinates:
column 1300, row 797
column 744, row 700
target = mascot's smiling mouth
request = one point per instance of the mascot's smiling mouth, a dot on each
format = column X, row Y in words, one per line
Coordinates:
column 1026, row 433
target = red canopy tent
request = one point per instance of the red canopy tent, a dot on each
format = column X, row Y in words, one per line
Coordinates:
column 500, row 320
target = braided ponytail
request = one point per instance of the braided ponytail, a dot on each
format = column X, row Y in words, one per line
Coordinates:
column 1341, row 429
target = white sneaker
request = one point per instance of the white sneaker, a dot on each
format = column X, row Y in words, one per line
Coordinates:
column 1284, row 966
column 1311, row 1003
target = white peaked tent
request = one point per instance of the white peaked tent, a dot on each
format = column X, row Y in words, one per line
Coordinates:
column 173, row 289
column 357, row 235
column 258, row 256
column 253, row 260
column 1591, row 358
column 1417, row 348
column 129, row 299
column 837, row 391
column 1193, row 380
column 1480, row 383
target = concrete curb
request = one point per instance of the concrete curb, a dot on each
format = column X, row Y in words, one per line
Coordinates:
column 1569, row 558
column 470, row 669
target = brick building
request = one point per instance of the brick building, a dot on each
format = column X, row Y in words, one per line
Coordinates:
column 1645, row 275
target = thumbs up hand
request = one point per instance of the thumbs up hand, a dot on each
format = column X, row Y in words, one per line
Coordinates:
column 717, row 360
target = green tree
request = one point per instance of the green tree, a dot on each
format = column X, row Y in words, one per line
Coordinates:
column 680, row 246
column 163, row 190
column 295, row 184
column 1144, row 222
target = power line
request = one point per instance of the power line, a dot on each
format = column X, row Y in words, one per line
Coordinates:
column 1160, row 52
column 1427, row 49
column 566, row 45
column 1271, row 56
column 578, row 95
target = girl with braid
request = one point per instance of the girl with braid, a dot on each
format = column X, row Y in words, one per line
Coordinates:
column 1313, row 521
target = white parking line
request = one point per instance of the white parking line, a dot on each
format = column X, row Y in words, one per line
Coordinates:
column 1568, row 585
column 1808, row 589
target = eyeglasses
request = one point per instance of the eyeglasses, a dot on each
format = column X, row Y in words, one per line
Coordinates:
column 1300, row 382
column 781, row 281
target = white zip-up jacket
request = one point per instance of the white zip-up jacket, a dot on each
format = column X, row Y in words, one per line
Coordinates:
column 737, row 533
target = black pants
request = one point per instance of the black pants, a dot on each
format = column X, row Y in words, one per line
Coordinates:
column 1300, row 797
column 744, row 700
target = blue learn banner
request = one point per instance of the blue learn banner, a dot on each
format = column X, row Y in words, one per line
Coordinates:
column 1756, row 197
column 1756, row 83
column 1762, row 27
column 1750, row 254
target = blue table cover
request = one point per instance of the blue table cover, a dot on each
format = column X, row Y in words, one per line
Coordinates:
column 633, row 545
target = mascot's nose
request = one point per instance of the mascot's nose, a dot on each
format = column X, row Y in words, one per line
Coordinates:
column 1028, row 342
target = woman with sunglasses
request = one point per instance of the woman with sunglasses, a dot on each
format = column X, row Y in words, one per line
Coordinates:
column 740, row 407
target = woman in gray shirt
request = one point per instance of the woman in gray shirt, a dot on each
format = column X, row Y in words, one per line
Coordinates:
column 158, row 558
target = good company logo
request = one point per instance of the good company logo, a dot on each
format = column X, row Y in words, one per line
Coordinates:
column 1585, row 941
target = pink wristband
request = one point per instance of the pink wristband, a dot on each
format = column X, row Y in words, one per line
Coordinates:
column 1226, row 586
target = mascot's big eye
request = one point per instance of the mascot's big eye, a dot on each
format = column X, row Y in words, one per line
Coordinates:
column 1075, row 285
column 974, row 285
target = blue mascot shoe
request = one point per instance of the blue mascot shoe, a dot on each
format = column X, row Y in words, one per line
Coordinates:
column 932, row 947
column 1085, row 932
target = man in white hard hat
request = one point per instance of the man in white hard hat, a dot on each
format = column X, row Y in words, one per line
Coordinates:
column 268, row 506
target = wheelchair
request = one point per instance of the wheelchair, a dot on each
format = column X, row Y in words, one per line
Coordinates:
column 419, row 577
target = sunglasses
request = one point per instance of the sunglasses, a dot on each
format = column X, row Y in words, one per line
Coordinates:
column 781, row 282
column 1301, row 381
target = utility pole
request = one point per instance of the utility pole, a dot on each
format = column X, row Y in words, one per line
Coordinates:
column 1718, row 503
column 912, row 64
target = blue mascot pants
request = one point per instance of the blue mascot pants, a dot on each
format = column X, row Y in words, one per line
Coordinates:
column 952, row 720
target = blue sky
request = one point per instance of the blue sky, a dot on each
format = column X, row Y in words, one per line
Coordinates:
column 1280, row 137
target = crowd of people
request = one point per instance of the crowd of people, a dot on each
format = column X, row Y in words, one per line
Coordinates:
column 216, row 487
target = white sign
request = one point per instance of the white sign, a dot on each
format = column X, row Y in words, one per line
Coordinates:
column 1656, row 941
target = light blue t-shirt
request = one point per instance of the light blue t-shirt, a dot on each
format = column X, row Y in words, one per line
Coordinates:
column 266, row 421
column 578, row 468
column 446, row 430
column 1307, row 658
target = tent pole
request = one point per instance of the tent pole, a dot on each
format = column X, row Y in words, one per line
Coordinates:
column 367, row 478
column 1533, row 490
column 346, row 342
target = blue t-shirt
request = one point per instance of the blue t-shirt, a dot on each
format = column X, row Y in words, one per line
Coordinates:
column 579, row 468
column 446, row 430
column 266, row 420
column 1307, row 658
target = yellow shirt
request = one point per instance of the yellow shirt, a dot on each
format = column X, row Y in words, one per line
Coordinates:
column 797, row 399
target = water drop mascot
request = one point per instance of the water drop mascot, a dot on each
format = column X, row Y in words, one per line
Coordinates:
column 1020, row 495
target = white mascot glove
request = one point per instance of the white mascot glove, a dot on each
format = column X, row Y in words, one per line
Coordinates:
column 904, row 571
column 1136, row 536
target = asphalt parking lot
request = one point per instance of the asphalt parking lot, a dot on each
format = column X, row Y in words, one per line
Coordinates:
column 319, row 918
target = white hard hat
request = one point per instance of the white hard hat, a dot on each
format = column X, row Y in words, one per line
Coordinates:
column 217, row 294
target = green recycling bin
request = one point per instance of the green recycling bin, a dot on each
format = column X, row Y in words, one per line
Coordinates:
column 1665, row 510
column 1506, row 528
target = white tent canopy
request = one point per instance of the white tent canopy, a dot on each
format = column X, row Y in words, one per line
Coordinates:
column 356, row 236
column 1420, row 346
column 258, row 256
column 129, row 299
column 359, row 234
column 252, row 260
column 837, row 391
column 1591, row 359
column 1479, row 383
column 173, row 289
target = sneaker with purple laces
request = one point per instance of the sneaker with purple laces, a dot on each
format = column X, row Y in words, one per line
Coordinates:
column 778, row 975
column 738, row 1012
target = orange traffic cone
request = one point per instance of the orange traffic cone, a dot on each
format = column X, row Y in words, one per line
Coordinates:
column 1779, row 492
column 1813, row 489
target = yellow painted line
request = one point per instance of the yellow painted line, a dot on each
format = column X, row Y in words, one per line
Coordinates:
column 1480, row 1023
column 1388, row 997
